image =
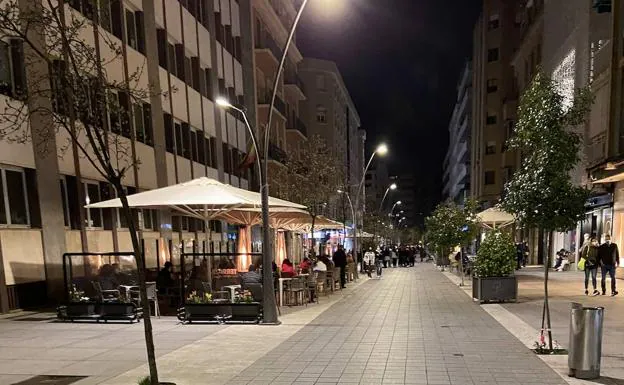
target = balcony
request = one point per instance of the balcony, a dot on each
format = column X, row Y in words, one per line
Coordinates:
column 266, row 42
column 264, row 100
column 297, row 124
column 597, row 149
column 277, row 154
column 291, row 79
column 600, row 58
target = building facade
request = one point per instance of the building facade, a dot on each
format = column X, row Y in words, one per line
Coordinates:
column 329, row 112
column 457, row 161
column 495, row 38
column 271, row 21
column 189, row 52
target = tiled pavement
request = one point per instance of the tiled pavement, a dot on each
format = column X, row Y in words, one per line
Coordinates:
column 412, row 327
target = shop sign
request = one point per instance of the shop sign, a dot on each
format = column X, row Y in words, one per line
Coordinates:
column 601, row 200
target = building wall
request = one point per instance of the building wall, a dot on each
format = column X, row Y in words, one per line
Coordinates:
column 457, row 160
column 495, row 38
column 209, row 39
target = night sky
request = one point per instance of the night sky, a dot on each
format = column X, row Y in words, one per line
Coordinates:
column 400, row 60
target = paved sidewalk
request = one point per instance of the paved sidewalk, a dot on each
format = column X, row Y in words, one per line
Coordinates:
column 412, row 327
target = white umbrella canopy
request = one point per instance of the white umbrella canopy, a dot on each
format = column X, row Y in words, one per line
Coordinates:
column 279, row 216
column 202, row 198
column 494, row 218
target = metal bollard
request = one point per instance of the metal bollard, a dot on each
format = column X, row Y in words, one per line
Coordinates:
column 585, row 345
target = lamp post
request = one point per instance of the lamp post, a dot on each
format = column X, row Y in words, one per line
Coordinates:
column 382, row 150
column 393, row 186
column 346, row 193
column 397, row 203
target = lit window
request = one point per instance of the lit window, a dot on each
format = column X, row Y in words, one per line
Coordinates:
column 492, row 85
column 92, row 195
column 493, row 23
column 490, row 148
column 321, row 114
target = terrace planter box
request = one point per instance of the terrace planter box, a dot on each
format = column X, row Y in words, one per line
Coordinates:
column 120, row 311
column 500, row 289
column 77, row 310
column 208, row 312
column 246, row 312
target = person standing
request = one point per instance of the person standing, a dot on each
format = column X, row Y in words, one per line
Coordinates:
column 394, row 256
column 609, row 259
column 369, row 260
column 340, row 261
column 590, row 255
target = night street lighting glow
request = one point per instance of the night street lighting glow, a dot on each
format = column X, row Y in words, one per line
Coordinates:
column 222, row 102
column 393, row 186
column 382, row 149
column 398, row 203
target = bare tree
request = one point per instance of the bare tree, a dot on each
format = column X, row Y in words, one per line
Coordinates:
column 68, row 91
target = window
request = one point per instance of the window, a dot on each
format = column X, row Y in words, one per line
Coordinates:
column 491, row 119
column 321, row 114
column 201, row 148
column 208, row 85
column 171, row 59
column 139, row 124
column 178, row 139
column 186, row 140
column 492, row 54
column 131, row 30
column 92, row 195
column 12, row 69
column 194, row 154
column 169, row 142
column 113, row 113
column 147, row 124
column 490, row 148
column 507, row 173
column 490, row 178
column 14, row 204
column 493, row 23
column 65, row 202
column 150, row 219
column 116, row 18
column 320, row 82
column 492, row 85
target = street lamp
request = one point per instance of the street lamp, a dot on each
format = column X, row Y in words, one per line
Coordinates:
column 397, row 203
column 382, row 150
column 393, row 187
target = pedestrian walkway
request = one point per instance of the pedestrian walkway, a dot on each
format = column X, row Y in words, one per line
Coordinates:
column 412, row 327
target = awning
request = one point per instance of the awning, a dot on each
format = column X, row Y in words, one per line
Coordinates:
column 495, row 218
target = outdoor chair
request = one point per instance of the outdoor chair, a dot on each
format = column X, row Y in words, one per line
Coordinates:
column 329, row 280
column 336, row 279
column 311, row 287
column 105, row 295
column 297, row 289
column 321, row 283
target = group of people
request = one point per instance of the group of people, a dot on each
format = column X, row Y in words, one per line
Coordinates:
column 404, row 256
column 594, row 255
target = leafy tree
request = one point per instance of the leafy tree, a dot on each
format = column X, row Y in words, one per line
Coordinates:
column 451, row 225
column 68, row 93
column 496, row 256
column 313, row 178
column 541, row 194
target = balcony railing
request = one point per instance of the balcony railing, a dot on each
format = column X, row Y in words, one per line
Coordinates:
column 267, row 42
column 279, row 103
column 597, row 149
column 276, row 153
column 293, row 78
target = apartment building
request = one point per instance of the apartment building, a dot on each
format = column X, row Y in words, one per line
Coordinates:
column 494, row 93
column 330, row 113
column 456, row 178
column 271, row 22
column 189, row 52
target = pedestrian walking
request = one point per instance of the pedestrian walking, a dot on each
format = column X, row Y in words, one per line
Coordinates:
column 340, row 261
column 369, row 261
column 386, row 257
column 394, row 256
column 380, row 261
column 411, row 256
column 589, row 263
column 609, row 259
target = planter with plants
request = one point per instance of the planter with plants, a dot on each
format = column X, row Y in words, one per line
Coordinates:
column 201, row 307
column 494, row 278
column 244, row 309
column 78, row 307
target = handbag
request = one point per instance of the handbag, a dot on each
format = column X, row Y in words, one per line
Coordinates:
column 581, row 264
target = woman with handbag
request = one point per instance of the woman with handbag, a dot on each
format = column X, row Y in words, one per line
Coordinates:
column 589, row 263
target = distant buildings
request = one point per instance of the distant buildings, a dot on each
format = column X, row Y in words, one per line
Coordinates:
column 457, row 161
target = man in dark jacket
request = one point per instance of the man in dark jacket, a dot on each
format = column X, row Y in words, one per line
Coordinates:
column 340, row 260
column 609, row 258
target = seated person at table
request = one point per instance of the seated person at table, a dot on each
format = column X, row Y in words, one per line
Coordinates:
column 195, row 282
column 320, row 265
column 107, row 279
column 164, row 280
column 252, row 276
column 305, row 265
column 287, row 267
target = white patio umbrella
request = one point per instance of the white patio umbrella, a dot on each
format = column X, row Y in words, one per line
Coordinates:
column 202, row 198
column 495, row 218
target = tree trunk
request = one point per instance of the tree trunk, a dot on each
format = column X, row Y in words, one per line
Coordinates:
column 140, row 261
column 546, row 324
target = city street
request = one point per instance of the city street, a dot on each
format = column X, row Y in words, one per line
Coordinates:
column 412, row 327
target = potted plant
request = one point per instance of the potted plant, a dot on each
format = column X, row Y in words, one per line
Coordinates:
column 200, row 307
column 245, row 309
column 78, row 306
column 493, row 270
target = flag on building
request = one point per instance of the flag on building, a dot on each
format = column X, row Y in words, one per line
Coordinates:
column 250, row 157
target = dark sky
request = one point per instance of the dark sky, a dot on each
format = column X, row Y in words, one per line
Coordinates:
column 400, row 60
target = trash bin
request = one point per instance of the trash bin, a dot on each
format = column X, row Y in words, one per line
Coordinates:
column 585, row 347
